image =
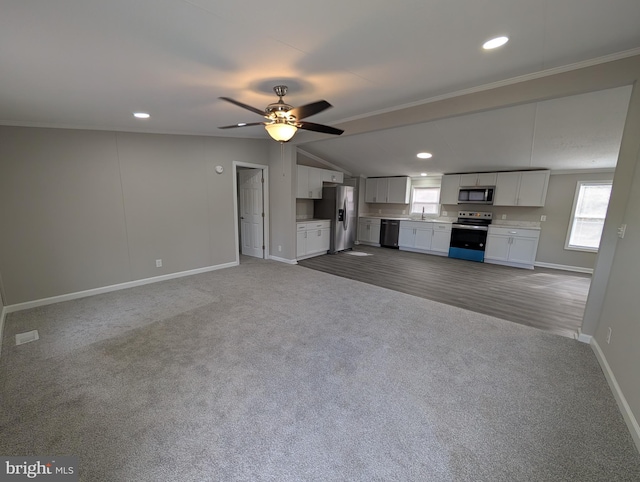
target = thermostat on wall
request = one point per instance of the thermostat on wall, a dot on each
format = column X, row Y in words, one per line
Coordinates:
column 219, row 169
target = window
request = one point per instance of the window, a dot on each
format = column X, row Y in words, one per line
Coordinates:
column 425, row 199
column 587, row 218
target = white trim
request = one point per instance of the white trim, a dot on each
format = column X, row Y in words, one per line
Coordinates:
column 583, row 338
column 602, row 170
column 106, row 289
column 564, row 267
column 322, row 161
column 283, row 260
column 627, row 414
column 3, row 313
column 265, row 205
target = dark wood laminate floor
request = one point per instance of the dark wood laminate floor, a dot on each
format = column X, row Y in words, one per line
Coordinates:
column 548, row 299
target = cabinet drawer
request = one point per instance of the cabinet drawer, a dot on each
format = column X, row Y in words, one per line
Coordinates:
column 370, row 221
column 441, row 227
column 519, row 232
column 319, row 225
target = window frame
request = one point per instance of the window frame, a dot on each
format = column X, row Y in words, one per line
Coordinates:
column 572, row 217
column 437, row 203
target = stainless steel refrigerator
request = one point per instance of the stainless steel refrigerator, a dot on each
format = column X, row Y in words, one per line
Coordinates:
column 338, row 204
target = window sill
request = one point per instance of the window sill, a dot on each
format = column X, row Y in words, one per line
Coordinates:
column 578, row 248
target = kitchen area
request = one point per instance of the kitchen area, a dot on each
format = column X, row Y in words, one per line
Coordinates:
column 470, row 231
column 462, row 251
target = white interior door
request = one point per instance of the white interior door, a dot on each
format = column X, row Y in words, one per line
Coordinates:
column 251, row 212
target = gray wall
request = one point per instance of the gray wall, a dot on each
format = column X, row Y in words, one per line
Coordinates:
column 282, row 200
column 87, row 209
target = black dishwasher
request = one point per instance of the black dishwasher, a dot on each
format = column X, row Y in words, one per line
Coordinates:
column 389, row 231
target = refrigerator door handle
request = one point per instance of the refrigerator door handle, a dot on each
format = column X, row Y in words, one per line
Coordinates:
column 346, row 217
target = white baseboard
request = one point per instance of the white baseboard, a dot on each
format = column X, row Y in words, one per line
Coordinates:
column 106, row 289
column 583, row 338
column 283, row 260
column 627, row 414
column 564, row 267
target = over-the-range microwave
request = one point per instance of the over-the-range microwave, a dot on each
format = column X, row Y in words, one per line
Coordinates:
column 476, row 195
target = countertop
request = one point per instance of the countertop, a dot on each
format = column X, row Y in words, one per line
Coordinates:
column 406, row 218
column 314, row 220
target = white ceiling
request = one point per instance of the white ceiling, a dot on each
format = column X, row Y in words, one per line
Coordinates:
column 73, row 63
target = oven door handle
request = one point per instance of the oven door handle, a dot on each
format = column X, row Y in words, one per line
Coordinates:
column 463, row 226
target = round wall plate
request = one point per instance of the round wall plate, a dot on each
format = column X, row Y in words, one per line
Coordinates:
column 219, row 169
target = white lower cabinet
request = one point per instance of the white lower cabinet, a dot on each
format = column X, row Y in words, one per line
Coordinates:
column 424, row 236
column 369, row 231
column 441, row 238
column 512, row 246
column 312, row 238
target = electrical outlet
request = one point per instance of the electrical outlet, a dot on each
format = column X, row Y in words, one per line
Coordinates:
column 444, row 213
column 379, row 211
column 504, row 216
column 621, row 230
column 543, row 218
column 609, row 336
column 279, row 248
column 158, row 263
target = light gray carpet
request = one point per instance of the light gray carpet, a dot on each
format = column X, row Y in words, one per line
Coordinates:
column 270, row 372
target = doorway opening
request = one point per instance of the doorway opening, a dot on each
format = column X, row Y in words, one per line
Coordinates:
column 251, row 208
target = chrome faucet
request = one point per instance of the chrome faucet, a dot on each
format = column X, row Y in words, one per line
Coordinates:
column 422, row 217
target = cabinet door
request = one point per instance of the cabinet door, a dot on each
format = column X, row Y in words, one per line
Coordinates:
column 423, row 238
column 325, row 239
column 486, row 179
column 468, row 179
column 449, row 187
column 497, row 247
column 399, row 190
column 371, row 190
column 302, row 190
column 314, row 241
column 374, row 233
column 407, row 237
column 441, row 239
column 363, row 230
column 315, row 182
column 507, row 184
column 533, row 188
column 382, row 190
column 301, row 243
column 523, row 250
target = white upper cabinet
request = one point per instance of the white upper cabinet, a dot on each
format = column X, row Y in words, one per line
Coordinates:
column 387, row 190
column 478, row 179
column 524, row 188
column 449, row 187
column 399, row 190
column 310, row 179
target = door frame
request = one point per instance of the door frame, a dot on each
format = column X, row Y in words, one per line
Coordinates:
column 265, row 205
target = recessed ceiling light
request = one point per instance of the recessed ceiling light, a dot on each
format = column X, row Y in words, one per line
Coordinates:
column 423, row 174
column 425, row 155
column 495, row 43
column 141, row 115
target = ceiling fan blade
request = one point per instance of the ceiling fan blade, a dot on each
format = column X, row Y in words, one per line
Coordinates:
column 243, row 125
column 244, row 106
column 310, row 126
column 309, row 109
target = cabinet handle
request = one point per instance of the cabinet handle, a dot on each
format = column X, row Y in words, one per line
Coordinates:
column 513, row 232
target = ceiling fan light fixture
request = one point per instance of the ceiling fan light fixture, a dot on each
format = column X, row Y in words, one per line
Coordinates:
column 281, row 132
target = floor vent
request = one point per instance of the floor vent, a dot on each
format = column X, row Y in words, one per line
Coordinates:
column 26, row 337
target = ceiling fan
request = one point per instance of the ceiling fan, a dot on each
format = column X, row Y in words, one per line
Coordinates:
column 283, row 120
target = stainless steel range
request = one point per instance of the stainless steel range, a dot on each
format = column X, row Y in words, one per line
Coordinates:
column 469, row 235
